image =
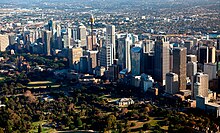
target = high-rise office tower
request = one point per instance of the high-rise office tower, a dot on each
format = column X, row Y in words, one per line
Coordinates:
column 207, row 54
column 26, row 36
column 171, row 60
column 4, row 42
column 74, row 56
column 218, row 81
column 110, row 38
column 74, row 33
column 90, row 43
column 210, row 69
column 65, row 41
column 136, row 60
column 38, row 34
column 81, row 35
column 148, row 46
column 218, row 43
column 84, row 61
column 212, row 54
column 113, row 73
column 50, row 25
column 106, row 55
column 188, row 44
column 93, row 55
column 12, row 38
column 161, row 59
column 124, row 55
column 47, row 36
column 190, row 58
column 179, row 65
column 58, row 30
column 148, row 63
column 200, row 85
column 191, row 69
column 203, row 54
column 172, row 83
column 57, row 38
column 69, row 36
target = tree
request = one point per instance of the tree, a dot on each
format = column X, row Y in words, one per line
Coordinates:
column 146, row 126
column 1, row 130
column 40, row 128
column 111, row 121
column 78, row 122
column 133, row 124
column 71, row 126
column 120, row 128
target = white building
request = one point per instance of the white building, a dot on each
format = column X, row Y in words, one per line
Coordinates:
column 81, row 35
column 125, row 102
column 110, row 38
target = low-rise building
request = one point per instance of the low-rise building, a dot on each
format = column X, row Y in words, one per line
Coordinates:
column 125, row 102
column 210, row 107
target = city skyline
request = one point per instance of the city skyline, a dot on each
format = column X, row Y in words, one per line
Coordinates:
column 109, row 66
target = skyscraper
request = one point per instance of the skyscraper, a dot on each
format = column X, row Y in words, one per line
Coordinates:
column 148, row 46
column 191, row 69
column 218, row 43
column 191, row 57
column 90, row 43
column 188, row 44
column 210, row 69
column 110, row 38
column 84, row 60
column 93, row 60
column 74, row 57
column 172, row 83
column 81, row 35
column 124, row 55
column 106, row 55
column 136, row 61
column 179, row 65
column 69, row 34
column 4, row 42
column 200, row 85
column 203, row 54
column 212, row 54
column 161, row 59
column 50, row 25
column 47, row 36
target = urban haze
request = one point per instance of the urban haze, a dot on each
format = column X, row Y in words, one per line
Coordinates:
column 109, row 66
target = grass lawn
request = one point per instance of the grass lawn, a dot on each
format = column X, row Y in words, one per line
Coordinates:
column 35, row 125
column 2, row 78
column 153, row 122
column 41, row 84
column 138, row 124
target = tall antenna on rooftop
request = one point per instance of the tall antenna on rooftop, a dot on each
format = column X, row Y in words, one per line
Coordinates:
column 92, row 20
